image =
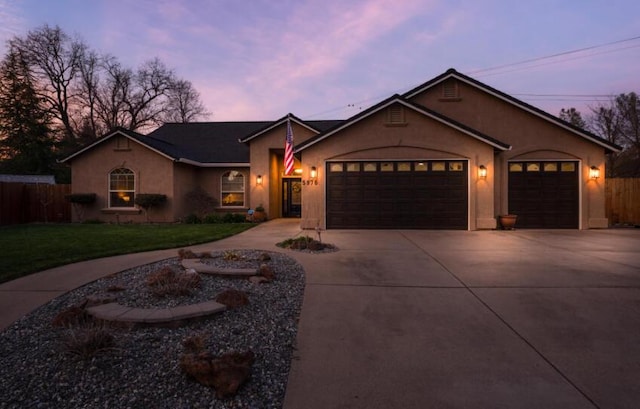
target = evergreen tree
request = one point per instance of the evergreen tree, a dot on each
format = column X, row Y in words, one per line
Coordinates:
column 25, row 143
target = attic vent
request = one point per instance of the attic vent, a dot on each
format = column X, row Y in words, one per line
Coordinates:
column 450, row 90
column 395, row 115
column 122, row 143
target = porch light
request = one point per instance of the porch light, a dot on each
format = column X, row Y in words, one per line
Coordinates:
column 594, row 172
column 482, row 172
column 314, row 172
column 259, row 180
column 298, row 171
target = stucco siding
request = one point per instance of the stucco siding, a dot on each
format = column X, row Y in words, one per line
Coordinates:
column 153, row 174
column 421, row 138
column 531, row 137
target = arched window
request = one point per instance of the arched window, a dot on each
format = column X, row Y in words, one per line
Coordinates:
column 232, row 189
column 122, row 188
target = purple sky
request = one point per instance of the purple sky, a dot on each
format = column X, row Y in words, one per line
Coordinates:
column 325, row 59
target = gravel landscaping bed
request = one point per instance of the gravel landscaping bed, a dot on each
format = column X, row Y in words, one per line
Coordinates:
column 141, row 369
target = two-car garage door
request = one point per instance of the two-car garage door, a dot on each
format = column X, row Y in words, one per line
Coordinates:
column 429, row 194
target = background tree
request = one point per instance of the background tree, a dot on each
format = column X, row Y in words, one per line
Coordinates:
column 80, row 95
column 26, row 145
column 618, row 121
column 53, row 59
column 573, row 116
column 183, row 104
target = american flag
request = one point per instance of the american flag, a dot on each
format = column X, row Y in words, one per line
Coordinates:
column 288, row 150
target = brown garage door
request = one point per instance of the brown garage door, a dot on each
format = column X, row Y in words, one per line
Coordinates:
column 544, row 194
column 397, row 195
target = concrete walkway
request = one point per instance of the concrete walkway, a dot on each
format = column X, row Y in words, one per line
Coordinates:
column 23, row 295
column 441, row 319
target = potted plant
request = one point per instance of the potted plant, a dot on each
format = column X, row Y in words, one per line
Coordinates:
column 507, row 221
column 259, row 214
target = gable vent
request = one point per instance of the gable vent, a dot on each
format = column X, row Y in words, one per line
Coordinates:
column 450, row 89
column 395, row 115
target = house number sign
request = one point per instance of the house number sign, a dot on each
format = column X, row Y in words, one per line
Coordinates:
column 309, row 182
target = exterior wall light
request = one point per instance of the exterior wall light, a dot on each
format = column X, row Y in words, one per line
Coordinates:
column 482, row 172
column 594, row 172
column 259, row 180
column 298, row 171
column 314, row 172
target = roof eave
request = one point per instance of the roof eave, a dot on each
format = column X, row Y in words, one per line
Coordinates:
column 401, row 100
column 214, row 164
column 451, row 73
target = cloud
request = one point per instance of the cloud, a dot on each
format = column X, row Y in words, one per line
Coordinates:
column 11, row 22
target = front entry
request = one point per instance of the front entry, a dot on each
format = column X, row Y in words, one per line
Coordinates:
column 291, row 197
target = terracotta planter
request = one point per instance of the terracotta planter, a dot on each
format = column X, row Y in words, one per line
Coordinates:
column 259, row 216
column 507, row 221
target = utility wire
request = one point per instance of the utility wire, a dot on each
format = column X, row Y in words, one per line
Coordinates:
column 500, row 70
column 579, row 50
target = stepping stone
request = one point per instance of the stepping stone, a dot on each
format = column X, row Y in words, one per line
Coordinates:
column 121, row 313
column 202, row 268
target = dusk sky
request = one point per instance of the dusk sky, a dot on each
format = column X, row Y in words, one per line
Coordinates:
column 260, row 59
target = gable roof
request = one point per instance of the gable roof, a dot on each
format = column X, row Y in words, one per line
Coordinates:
column 397, row 99
column 314, row 126
column 132, row 135
column 452, row 73
column 205, row 144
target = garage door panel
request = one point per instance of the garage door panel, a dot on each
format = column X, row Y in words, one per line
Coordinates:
column 396, row 195
column 544, row 199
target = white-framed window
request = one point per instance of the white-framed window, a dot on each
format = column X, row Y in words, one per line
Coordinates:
column 232, row 189
column 122, row 188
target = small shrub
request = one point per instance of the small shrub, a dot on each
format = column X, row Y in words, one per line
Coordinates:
column 231, row 255
column 192, row 219
column 200, row 201
column 233, row 218
column 212, row 218
column 166, row 282
column 73, row 316
column 304, row 243
column 88, row 342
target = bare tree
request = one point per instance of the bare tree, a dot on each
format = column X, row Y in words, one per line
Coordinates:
column 184, row 104
column 54, row 60
column 87, row 90
column 113, row 94
column 618, row 121
column 87, row 94
column 146, row 104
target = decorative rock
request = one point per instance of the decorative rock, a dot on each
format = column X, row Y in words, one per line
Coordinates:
column 267, row 272
column 258, row 280
column 232, row 298
column 225, row 374
column 264, row 257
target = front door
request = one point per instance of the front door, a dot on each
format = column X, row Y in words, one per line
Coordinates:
column 291, row 197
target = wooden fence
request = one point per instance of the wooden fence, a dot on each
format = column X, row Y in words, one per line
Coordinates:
column 30, row 203
column 623, row 200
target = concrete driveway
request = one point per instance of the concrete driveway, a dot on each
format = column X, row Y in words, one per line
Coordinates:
column 487, row 319
column 440, row 319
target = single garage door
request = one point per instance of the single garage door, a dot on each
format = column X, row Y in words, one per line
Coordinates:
column 397, row 194
column 544, row 194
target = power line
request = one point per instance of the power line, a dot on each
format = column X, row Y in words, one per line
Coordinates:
column 564, row 53
column 551, row 97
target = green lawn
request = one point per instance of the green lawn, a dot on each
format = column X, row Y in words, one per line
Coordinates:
column 26, row 249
